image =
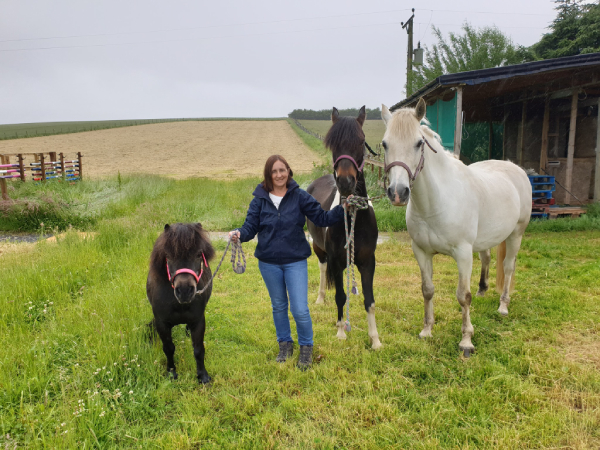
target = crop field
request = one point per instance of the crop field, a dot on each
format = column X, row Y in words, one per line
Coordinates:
column 218, row 149
column 79, row 371
column 28, row 130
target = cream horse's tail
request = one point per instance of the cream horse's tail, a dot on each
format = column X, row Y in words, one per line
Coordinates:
column 500, row 270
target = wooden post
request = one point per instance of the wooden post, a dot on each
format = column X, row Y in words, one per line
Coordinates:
column 52, row 156
column 545, row 128
column 504, row 133
column 62, row 165
column 21, row 167
column 43, row 166
column 597, row 176
column 3, row 188
column 80, row 166
column 521, row 143
column 458, row 126
column 491, row 141
column 571, row 148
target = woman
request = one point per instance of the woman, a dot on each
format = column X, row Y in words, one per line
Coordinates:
column 278, row 213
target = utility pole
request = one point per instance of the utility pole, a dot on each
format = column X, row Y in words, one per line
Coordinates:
column 409, row 62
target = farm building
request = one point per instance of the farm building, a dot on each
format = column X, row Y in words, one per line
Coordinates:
column 541, row 115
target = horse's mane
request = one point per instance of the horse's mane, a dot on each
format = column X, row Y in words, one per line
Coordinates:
column 404, row 123
column 344, row 133
column 178, row 241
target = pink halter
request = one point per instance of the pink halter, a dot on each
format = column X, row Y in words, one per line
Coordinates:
column 197, row 277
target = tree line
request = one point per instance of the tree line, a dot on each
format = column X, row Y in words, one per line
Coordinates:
column 325, row 114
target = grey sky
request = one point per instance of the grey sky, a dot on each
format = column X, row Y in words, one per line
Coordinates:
column 96, row 60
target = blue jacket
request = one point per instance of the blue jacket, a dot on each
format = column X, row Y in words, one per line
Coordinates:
column 281, row 238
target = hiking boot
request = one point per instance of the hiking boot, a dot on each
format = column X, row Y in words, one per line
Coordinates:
column 286, row 349
column 305, row 359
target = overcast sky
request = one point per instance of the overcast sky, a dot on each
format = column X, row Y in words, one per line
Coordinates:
column 99, row 60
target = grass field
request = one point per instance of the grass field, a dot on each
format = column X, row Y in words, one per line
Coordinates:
column 79, row 372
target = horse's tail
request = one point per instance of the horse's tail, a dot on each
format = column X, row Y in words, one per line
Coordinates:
column 500, row 256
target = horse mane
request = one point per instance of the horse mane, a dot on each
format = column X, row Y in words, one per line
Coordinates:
column 178, row 241
column 344, row 133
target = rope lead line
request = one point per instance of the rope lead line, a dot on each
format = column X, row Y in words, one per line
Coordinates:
column 354, row 204
column 237, row 266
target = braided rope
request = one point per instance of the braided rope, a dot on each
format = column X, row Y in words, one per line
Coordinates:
column 237, row 266
column 351, row 206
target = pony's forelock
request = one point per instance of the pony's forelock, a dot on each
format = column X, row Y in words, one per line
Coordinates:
column 179, row 241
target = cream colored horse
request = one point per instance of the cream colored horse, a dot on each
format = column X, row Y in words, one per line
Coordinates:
column 454, row 209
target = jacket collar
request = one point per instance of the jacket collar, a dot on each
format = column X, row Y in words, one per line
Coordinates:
column 260, row 191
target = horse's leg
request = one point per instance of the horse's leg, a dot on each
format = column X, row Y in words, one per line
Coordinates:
column 164, row 331
column 513, row 242
column 464, row 259
column 340, row 297
column 323, row 269
column 485, row 257
column 425, row 261
column 198, row 330
column 367, row 273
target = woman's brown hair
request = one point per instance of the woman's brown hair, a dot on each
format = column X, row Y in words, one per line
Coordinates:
column 268, row 175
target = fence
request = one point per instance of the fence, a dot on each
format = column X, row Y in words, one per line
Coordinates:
column 46, row 166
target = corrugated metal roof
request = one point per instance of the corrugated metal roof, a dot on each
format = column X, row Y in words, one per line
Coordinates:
column 475, row 77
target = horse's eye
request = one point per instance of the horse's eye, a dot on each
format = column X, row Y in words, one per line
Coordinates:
column 384, row 144
column 419, row 144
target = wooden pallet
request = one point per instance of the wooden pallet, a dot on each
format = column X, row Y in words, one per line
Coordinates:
column 566, row 211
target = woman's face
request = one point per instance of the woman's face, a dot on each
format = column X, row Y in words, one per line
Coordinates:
column 280, row 175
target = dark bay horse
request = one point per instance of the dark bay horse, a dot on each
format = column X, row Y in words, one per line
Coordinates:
column 346, row 140
column 178, row 271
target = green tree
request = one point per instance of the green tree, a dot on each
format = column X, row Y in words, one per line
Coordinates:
column 473, row 49
column 576, row 30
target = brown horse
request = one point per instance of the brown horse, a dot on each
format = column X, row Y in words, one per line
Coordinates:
column 346, row 140
column 178, row 271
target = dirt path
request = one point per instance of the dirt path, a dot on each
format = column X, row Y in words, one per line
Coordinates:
column 217, row 149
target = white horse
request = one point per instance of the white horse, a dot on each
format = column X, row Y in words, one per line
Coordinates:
column 455, row 210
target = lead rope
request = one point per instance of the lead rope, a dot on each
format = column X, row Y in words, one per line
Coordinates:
column 354, row 204
column 238, row 266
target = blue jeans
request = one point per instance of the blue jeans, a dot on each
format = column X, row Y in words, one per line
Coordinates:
column 283, row 280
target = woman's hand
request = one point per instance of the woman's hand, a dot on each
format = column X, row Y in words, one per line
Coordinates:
column 234, row 235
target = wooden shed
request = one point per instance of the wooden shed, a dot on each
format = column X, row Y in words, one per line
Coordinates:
column 541, row 115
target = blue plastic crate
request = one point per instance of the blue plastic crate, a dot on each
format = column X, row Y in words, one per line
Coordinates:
column 541, row 194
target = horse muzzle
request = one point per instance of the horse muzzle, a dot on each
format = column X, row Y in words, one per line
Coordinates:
column 398, row 194
column 184, row 292
column 346, row 185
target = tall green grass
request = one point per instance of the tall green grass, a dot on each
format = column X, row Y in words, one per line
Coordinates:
column 78, row 370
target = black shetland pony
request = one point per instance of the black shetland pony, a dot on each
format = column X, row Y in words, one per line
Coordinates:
column 178, row 271
column 346, row 140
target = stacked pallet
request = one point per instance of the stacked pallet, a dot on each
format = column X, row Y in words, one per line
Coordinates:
column 542, row 187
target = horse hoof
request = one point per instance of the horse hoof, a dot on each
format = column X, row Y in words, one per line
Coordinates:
column 467, row 352
column 503, row 311
column 320, row 301
column 205, row 379
column 424, row 335
column 480, row 293
column 173, row 373
column 376, row 345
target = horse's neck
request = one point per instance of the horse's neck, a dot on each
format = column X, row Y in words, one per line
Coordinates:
column 430, row 189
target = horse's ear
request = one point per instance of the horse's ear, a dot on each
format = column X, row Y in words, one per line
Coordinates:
column 199, row 224
column 335, row 115
column 421, row 109
column 362, row 115
column 167, row 226
column 386, row 115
